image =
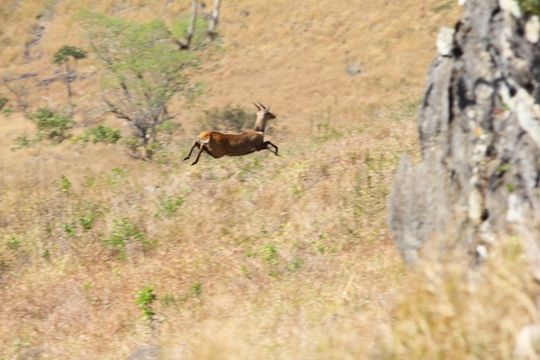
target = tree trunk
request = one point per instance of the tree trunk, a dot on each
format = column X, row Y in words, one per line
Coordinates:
column 186, row 43
column 68, row 87
column 214, row 19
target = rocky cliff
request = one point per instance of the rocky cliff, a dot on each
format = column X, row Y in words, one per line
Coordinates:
column 479, row 126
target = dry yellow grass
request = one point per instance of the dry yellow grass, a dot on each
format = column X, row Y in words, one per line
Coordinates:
column 253, row 257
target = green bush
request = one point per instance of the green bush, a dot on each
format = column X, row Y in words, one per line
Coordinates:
column 230, row 118
column 531, row 7
column 104, row 134
column 51, row 125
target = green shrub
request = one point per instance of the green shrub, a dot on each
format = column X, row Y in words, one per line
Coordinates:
column 51, row 125
column 531, row 7
column 104, row 134
column 230, row 118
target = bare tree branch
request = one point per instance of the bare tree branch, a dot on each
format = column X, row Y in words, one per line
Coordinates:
column 186, row 43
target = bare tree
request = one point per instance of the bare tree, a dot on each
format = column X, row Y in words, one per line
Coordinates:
column 62, row 57
column 212, row 20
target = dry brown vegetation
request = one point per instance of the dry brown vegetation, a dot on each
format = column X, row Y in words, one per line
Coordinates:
column 252, row 257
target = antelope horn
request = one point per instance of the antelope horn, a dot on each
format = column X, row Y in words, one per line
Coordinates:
column 257, row 106
column 264, row 107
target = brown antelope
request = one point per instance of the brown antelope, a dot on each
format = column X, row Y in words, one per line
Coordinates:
column 218, row 144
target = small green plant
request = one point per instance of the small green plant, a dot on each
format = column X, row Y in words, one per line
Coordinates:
column 7, row 112
column 530, row 7
column 295, row 265
column 104, row 134
column 87, row 220
column 196, row 289
column 145, row 299
column 3, row 102
column 65, row 184
column 510, row 187
column 13, row 242
column 270, row 254
column 22, row 141
column 169, row 205
column 69, row 229
column 51, row 125
column 116, row 176
column 168, row 300
column 123, row 233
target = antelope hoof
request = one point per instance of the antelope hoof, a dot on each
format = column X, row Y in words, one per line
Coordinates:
column 194, row 163
column 186, row 158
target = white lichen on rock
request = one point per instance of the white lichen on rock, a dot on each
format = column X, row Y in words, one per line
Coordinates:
column 511, row 6
column 532, row 29
column 445, row 41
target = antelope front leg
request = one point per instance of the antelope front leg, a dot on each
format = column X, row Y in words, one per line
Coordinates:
column 195, row 144
column 201, row 148
column 268, row 143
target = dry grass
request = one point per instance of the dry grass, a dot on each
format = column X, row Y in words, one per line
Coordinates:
column 253, row 257
column 452, row 313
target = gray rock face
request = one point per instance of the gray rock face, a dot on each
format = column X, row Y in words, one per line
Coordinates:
column 479, row 130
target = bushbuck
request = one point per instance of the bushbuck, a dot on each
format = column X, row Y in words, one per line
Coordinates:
column 218, row 144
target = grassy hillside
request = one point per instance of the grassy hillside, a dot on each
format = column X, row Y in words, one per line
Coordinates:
column 252, row 257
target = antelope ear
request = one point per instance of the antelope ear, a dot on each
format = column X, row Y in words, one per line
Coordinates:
column 257, row 106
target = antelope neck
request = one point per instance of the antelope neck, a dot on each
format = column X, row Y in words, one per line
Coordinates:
column 260, row 124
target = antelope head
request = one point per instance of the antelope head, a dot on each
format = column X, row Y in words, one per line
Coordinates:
column 263, row 115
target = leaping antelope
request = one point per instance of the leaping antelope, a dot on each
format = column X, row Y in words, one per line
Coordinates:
column 218, row 144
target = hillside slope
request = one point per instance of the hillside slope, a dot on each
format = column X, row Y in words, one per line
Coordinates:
column 252, row 257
